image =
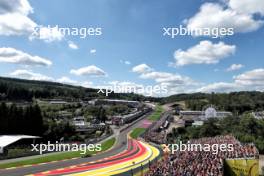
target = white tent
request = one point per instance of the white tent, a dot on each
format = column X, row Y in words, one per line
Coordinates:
column 6, row 140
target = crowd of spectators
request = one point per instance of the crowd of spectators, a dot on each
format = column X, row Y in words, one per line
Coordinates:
column 201, row 163
column 156, row 137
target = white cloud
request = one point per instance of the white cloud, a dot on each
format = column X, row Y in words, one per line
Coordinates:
column 142, row 68
column 92, row 51
column 30, row 75
column 87, row 84
column 91, row 70
column 14, row 20
column 11, row 6
column 164, row 77
column 27, row 74
column 16, row 24
column 204, row 53
column 72, row 45
column 250, row 80
column 219, row 87
column 126, row 62
column 123, row 86
column 47, row 34
column 234, row 67
column 132, row 87
column 126, row 84
column 11, row 55
column 247, row 6
column 253, row 78
column 213, row 15
column 66, row 80
column 174, row 83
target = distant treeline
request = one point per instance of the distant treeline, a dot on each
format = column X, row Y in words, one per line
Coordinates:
column 237, row 102
column 12, row 89
column 20, row 120
column 19, row 89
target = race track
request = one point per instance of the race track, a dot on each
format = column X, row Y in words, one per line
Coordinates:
column 136, row 155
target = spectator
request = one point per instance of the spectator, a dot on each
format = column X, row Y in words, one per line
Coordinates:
column 201, row 163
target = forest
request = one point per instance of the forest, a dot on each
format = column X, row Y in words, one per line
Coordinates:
column 12, row 89
column 21, row 120
column 236, row 102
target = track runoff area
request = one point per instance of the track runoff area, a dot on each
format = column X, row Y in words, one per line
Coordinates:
column 137, row 155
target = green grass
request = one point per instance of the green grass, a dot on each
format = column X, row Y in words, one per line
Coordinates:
column 137, row 132
column 157, row 113
column 108, row 144
column 13, row 152
column 153, row 117
column 58, row 156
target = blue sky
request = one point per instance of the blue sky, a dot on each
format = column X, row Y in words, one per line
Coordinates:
column 132, row 35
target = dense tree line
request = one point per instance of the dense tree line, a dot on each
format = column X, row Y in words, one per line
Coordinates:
column 183, row 97
column 245, row 128
column 17, row 89
column 98, row 112
column 239, row 102
column 12, row 89
column 20, row 120
column 236, row 102
column 55, row 131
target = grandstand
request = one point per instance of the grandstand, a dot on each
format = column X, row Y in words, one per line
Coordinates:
column 157, row 131
column 128, row 118
column 115, row 102
column 204, row 163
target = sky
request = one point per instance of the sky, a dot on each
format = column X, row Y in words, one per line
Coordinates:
column 127, row 44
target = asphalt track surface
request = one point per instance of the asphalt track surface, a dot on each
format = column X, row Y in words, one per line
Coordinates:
column 122, row 148
column 137, row 154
